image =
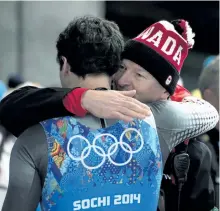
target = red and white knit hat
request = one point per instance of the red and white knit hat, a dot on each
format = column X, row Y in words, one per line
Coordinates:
column 161, row 49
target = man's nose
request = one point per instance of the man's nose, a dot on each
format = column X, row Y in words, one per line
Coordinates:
column 124, row 80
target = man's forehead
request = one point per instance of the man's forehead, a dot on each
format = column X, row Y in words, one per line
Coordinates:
column 133, row 65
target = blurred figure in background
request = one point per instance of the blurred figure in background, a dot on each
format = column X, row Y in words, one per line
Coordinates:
column 196, row 92
column 15, row 80
column 209, row 87
column 3, row 131
column 3, row 89
column 208, row 60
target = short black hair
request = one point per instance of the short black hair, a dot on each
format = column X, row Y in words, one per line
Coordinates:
column 91, row 45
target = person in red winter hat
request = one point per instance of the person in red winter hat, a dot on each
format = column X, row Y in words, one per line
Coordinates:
column 153, row 60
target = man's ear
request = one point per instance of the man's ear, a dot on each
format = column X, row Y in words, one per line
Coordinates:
column 66, row 66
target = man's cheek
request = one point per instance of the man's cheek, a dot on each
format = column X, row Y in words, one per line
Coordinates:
column 118, row 75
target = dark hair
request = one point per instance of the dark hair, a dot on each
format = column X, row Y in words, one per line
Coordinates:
column 91, row 45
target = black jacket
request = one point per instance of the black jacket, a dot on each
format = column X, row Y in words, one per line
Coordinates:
column 198, row 191
column 30, row 105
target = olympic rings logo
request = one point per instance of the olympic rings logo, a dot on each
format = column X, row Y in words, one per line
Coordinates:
column 100, row 152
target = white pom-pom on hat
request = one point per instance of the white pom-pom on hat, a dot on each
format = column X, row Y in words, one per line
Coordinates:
column 187, row 34
column 168, row 25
